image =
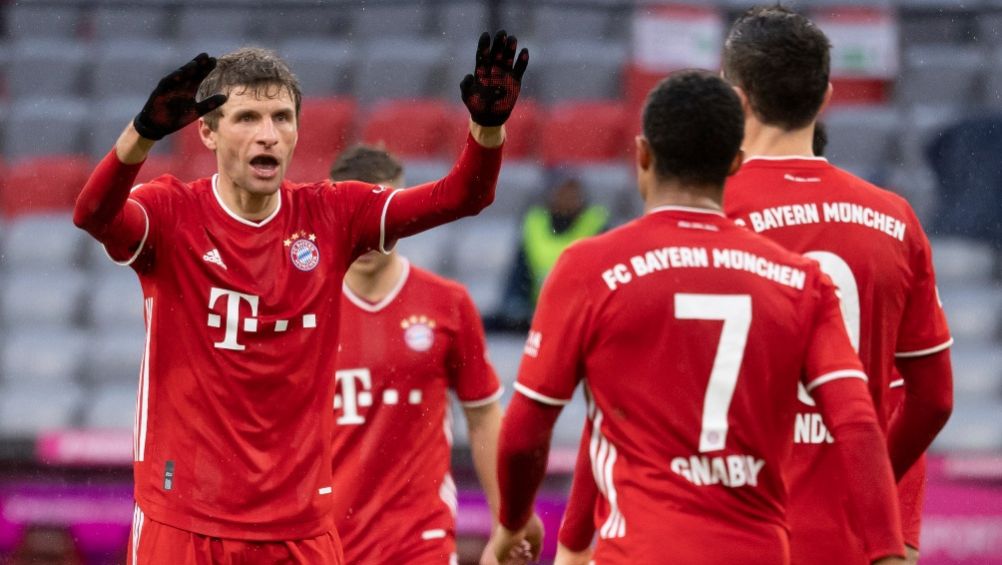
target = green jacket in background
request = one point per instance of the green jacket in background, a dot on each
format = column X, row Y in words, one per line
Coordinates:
column 543, row 246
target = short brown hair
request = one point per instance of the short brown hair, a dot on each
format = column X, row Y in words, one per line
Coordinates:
column 782, row 62
column 260, row 70
column 366, row 163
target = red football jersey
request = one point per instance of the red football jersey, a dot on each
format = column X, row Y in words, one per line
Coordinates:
column 394, row 499
column 233, row 423
column 682, row 304
column 873, row 247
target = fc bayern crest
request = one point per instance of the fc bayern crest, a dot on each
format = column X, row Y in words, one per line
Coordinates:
column 304, row 252
column 418, row 332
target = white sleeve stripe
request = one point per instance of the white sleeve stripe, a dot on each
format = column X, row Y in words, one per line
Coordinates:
column 382, row 224
column 483, row 401
column 541, row 398
column 924, row 352
column 142, row 242
column 834, row 376
column 897, row 383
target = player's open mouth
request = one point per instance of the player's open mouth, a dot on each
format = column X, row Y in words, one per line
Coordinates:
column 264, row 166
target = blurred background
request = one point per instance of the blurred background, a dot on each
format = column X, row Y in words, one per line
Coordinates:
column 917, row 109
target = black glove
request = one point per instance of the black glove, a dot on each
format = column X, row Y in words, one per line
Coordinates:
column 172, row 104
column 491, row 91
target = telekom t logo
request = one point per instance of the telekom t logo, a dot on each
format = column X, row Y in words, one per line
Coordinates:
column 350, row 398
column 232, row 306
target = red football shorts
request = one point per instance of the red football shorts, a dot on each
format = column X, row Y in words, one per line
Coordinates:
column 153, row 543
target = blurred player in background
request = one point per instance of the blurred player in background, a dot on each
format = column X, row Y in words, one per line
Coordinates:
column 407, row 338
column 240, row 275
column 870, row 243
column 691, row 334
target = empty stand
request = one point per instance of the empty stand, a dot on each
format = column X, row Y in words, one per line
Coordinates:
column 579, row 70
column 116, row 302
column 45, row 68
column 44, row 184
column 36, row 356
column 416, row 128
column 35, row 19
column 27, row 409
column 37, row 127
column 324, row 67
column 112, row 406
column 586, row 131
column 429, row 250
column 863, row 137
column 940, row 74
column 50, row 298
column 131, row 68
column 114, row 356
column 325, row 127
column 42, row 242
column 138, row 20
column 400, row 67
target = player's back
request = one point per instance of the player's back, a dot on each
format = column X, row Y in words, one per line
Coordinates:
column 696, row 333
column 871, row 244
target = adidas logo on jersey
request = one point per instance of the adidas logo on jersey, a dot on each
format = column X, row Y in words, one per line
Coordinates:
column 214, row 257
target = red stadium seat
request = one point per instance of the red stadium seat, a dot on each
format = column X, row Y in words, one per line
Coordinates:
column 42, row 184
column 523, row 130
column 326, row 125
column 415, row 128
column 155, row 166
column 586, row 131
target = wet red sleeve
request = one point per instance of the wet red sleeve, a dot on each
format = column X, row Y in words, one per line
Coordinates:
column 523, row 449
column 102, row 207
column 578, row 526
column 465, row 191
column 847, row 408
column 926, row 407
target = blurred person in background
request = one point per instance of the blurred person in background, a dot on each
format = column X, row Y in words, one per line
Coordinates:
column 234, row 420
column 47, row 545
column 407, row 338
column 546, row 231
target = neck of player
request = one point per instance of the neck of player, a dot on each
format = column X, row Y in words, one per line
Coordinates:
column 373, row 276
column 764, row 140
column 673, row 193
column 248, row 205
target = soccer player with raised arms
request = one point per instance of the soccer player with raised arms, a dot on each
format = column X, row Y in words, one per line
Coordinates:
column 240, row 276
column 691, row 334
column 871, row 244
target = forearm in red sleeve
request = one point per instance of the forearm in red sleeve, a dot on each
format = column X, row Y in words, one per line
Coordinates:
column 578, row 527
column 523, row 449
column 926, row 408
column 847, row 408
column 465, row 191
column 101, row 208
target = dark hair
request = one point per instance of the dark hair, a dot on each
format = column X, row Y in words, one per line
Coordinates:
column 367, row 164
column 782, row 61
column 694, row 124
column 820, row 140
column 254, row 68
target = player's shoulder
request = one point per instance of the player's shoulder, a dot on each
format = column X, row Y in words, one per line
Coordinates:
column 169, row 187
column 865, row 189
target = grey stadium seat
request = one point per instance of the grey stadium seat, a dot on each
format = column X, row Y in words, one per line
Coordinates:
column 278, row 21
column 112, row 406
column 977, row 370
column 941, row 74
column 40, row 356
column 51, row 298
column 484, row 250
column 431, row 250
column 114, row 356
column 973, row 426
column 521, row 184
column 135, row 20
column 45, row 127
column 609, row 185
column 116, row 302
column 37, row 19
column 401, row 68
column 862, row 136
column 993, row 78
column 959, row 259
column 420, row 171
column 131, row 67
column 42, row 242
column 459, row 22
column 583, row 22
column 505, row 353
column 389, row 19
column 48, row 68
column 107, row 118
column 973, row 311
column 29, row 408
column 323, row 66
column 580, row 70
column 571, row 422
column 921, row 124
column 197, row 22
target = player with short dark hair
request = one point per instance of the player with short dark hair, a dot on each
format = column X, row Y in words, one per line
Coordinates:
column 691, row 334
column 872, row 245
column 407, row 337
column 240, row 273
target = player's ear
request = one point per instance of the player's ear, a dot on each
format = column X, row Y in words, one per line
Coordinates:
column 745, row 104
column 828, row 98
column 739, row 160
column 645, row 157
column 206, row 134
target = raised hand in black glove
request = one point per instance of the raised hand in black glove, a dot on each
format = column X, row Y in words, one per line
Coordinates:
column 491, row 91
column 172, row 104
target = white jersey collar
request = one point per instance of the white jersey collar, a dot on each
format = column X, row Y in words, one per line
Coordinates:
column 686, row 209
column 370, row 307
column 234, row 215
column 783, row 158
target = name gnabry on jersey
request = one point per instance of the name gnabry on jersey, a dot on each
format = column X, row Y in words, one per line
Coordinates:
column 831, row 212
column 697, row 258
column 729, row 470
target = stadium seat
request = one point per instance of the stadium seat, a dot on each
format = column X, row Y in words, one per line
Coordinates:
column 420, row 171
column 131, row 67
column 324, row 67
column 414, row 128
column 388, row 20
column 505, row 353
column 862, row 136
column 42, row 298
column 325, row 127
column 116, row 301
column 112, row 406
column 609, row 185
column 36, row 19
column 114, row 356
column 921, row 125
column 43, row 68
column 941, row 74
column 585, row 131
column 587, row 21
column 431, row 250
column 38, row 127
column 106, row 120
column 398, row 67
column 960, row 259
column 993, row 78
column 278, row 21
column 520, row 184
column 459, row 21
column 972, row 427
column 196, row 22
column 522, row 130
column 977, row 371
column 36, row 356
column 973, row 310
column 44, row 184
column 34, row 242
column 147, row 21
column 579, row 70
column 933, row 22
column 27, row 409
column 482, row 257
column 570, row 424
